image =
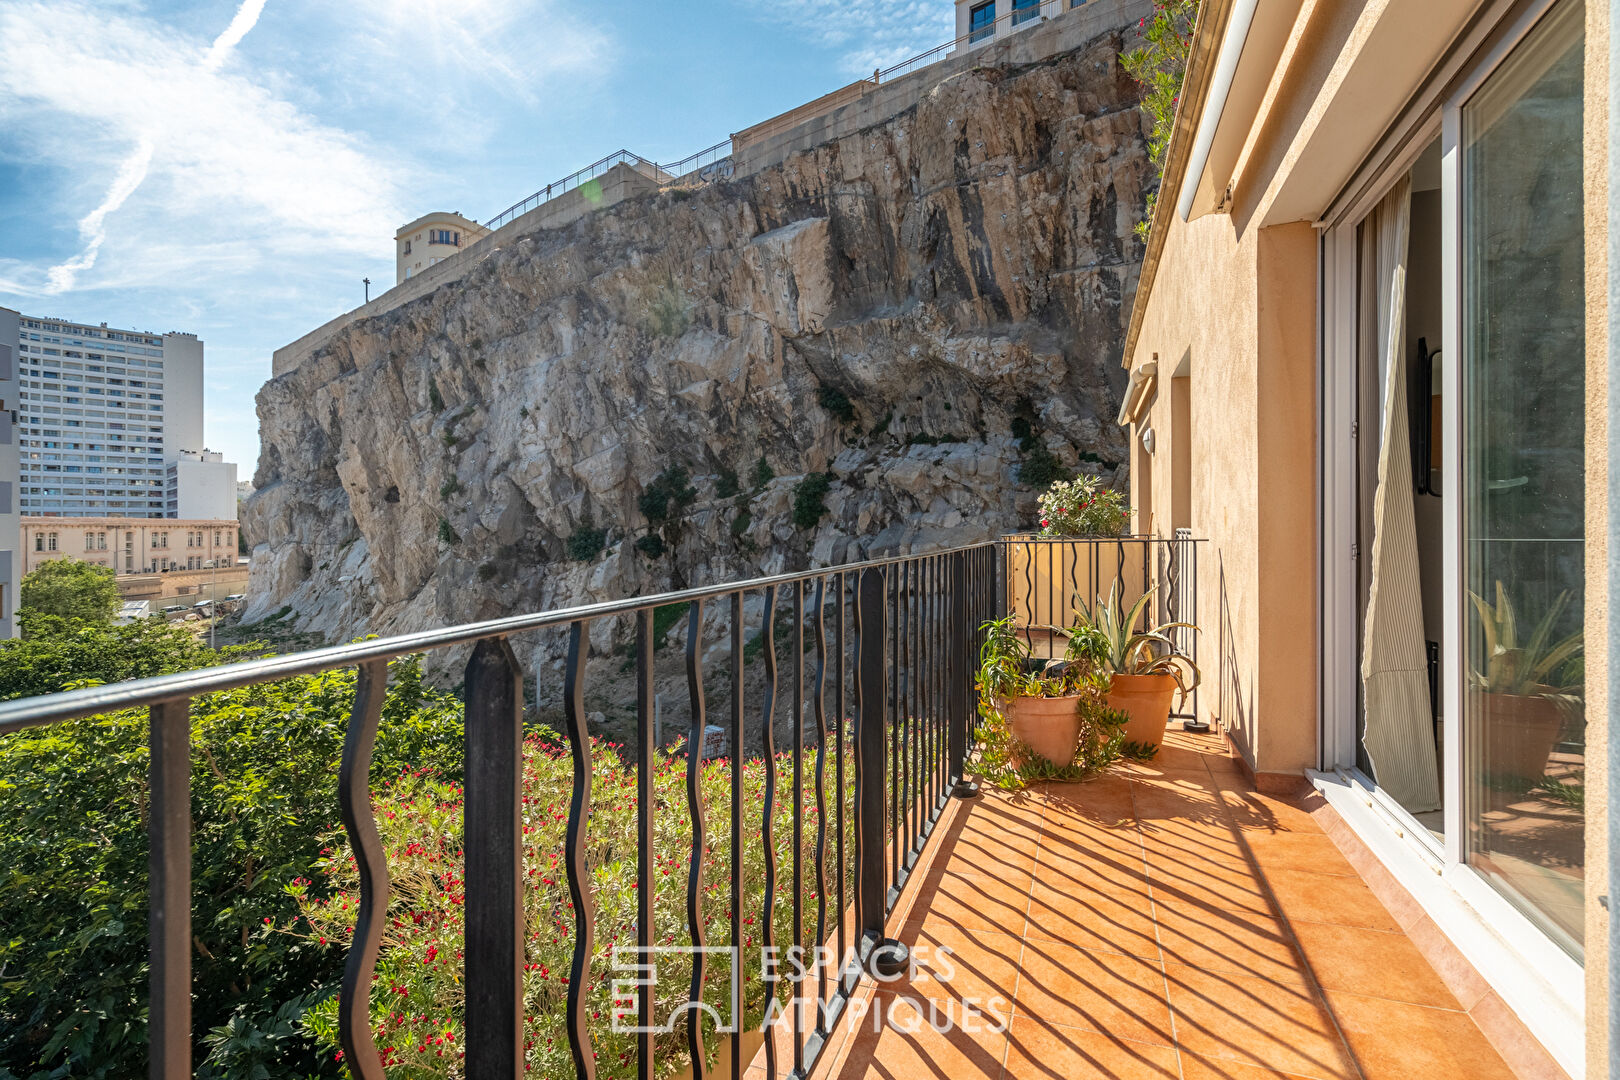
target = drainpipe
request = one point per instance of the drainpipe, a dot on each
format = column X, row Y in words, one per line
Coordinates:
column 1237, row 33
column 1613, row 643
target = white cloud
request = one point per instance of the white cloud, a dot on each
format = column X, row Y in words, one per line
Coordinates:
column 872, row 33
column 100, row 92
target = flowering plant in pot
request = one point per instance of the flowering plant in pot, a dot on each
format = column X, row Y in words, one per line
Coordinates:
column 1147, row 668
column 1527, row 687
column 1044, row 719
column 1083, row 507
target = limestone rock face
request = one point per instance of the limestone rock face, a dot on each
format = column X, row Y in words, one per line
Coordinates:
column 889, row 308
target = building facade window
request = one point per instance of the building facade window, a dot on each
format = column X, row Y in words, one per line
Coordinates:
column 445, row 236
column 982, row 22
column 1025, row 10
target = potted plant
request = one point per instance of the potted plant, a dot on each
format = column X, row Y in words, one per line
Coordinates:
column 1043, row 718
column 1526, row 689
column 1147, row 668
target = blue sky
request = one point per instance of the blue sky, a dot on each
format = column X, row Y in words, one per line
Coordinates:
column 233, row 168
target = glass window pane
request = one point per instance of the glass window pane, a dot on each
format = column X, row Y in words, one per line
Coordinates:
column 1524, row 469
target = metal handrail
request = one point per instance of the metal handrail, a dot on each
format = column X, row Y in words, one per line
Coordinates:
column 676, row 170
column 24, row 713
column 907, row 626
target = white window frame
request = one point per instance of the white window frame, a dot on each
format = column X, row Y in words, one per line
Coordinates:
column 1537, row 979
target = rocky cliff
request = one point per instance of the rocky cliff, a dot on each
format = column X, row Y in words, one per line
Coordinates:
column 878, row 346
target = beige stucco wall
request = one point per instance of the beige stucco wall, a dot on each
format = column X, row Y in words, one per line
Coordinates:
column 153, row 541
column 1236, row 313
column 1596, row 151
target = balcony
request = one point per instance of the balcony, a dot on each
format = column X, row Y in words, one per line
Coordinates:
column 1160, row 920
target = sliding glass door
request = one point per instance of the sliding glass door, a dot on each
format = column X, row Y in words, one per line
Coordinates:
column 1523, row 461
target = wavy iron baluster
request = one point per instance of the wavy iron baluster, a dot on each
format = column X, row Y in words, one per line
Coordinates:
column 579, row 886
column 360, row 826
column 820, row 709
column 767, row 712
column 694, row 807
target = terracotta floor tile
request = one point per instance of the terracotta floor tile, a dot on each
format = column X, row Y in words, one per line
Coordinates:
column 1324, row 898
column 1270, row 813
column 1315, row 852
column 1194, row 1067
column 1104, row 992
column 954, row 965
column 986, row 855
column 1257, row 1022
column 1065, row 860
column 1373, row 963
column 904, row 1045
column 1037, row 1051
column 1211, row 888
column 974, row 902
column 1392, row 1040
column 1092, row 919
column 1232, row 941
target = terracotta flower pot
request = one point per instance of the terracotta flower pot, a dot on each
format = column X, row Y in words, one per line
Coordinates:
column 1520, row 732
column 1049, row 727
column 1146, row 700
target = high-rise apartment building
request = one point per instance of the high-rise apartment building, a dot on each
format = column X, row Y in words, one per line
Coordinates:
column 101, row 414
column 10, row 519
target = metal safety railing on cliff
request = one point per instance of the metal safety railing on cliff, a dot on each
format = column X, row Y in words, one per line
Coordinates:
column 716, row 162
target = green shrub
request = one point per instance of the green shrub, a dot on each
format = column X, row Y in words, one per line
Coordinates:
column 837, row 403
column 450, row 487
column 741, row 523
column 762, row 474
column 488, row 572
column 71, row 589
column 447, row 535
column 586, row 543
column 810, row 499
column 727, row 485
column 263, row 783
column 664, row 619
column 669, row 493
column 1041, row 468
column 651, row 545
column 1159, row 66
column 882, row 425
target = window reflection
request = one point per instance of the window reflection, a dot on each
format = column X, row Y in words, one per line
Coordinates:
column 1524, row 454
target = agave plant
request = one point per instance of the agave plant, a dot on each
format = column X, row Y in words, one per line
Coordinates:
column 1129, row 651
column 1528, row 669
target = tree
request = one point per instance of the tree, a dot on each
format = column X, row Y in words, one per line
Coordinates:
column 72, row 590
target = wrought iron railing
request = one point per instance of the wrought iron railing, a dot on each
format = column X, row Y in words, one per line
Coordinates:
column 1053, row 582
column 715, row 162
column 893, row 644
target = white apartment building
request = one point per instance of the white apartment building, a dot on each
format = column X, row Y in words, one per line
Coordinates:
column 101, row 413
column 10, row 518
column 982, row 21
column 201, row 484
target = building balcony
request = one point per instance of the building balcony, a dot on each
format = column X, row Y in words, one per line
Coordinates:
column 1164, row 921
column 1158, row 920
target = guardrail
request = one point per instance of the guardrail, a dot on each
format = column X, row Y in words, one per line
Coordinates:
column 894, row 638
column 1052, row 582
column 714, row 162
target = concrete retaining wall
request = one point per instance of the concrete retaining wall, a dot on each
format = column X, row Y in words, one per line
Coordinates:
column 757, row 148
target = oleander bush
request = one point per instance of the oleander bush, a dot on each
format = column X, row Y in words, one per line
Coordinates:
column 417, row 1000
column 73, row 858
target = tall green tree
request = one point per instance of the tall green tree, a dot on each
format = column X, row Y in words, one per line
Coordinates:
column 71, row 589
